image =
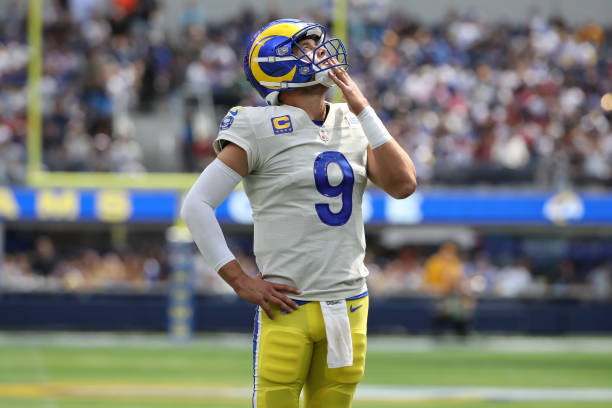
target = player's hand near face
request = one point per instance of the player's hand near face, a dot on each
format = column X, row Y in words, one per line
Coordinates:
column 258, row 291
column 351, row 92
column 388, row 165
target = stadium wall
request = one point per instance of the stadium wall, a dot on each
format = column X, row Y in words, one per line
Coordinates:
column 148, row 312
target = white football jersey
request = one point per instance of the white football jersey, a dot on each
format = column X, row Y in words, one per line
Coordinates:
column 305, row 186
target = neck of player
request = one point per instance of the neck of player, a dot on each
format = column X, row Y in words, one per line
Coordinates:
column 312, row 101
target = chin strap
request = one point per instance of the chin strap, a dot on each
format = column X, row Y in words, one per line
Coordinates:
column 275, row 59
column 289, row 85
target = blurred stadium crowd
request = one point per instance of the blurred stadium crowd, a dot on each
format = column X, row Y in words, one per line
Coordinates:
column 406, row 271
column 474, row 101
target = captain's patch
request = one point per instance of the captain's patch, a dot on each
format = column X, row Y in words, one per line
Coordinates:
column 282, row 124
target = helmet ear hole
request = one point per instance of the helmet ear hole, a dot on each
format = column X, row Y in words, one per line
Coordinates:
column 304, row 70
column 282, row 50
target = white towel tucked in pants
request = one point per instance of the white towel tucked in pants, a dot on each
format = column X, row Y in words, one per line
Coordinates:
column 338, row 330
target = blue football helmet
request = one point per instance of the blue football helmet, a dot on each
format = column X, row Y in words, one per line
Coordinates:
column 269, row 63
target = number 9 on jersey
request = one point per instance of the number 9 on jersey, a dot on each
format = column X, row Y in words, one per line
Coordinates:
column 344, row 188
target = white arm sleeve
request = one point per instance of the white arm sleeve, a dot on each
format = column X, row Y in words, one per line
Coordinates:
column 213, row 186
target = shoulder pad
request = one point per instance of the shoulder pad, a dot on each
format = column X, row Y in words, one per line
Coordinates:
column 234, row 111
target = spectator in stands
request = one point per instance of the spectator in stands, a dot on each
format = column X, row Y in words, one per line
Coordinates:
column 600, row 280
column 402, row 275
column 44, row 260
column 444, row 278
column 514, row 280
column 12, row 157
column 443, row 271
column 391, row 274
column 565, row 281
column 476, row 101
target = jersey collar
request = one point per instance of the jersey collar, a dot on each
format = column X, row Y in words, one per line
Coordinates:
column 326, row 121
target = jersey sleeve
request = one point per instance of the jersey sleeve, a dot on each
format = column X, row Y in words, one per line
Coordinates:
column 236, row 128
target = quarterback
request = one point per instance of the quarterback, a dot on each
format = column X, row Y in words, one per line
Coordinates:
column 304, row 163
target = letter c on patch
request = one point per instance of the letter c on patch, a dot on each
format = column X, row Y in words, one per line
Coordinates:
column 282, row 124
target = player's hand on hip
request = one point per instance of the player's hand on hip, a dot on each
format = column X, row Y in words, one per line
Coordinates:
column 352, row 94
column 262, row 293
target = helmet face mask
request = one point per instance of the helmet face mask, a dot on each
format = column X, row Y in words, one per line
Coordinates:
column 270, row 64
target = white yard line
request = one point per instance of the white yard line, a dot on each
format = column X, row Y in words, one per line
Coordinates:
column 382, row 393
column 364, row 392
column 497, row 344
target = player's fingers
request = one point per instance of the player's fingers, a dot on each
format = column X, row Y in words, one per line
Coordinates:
column 282, row 301
column 283, row 304
column 341, row 73
column 264, row 305
column 343, row 77
column 286, row 288
column 333, row 75
column 338, row 71
column 336, row 80
column 286, row 300
column 333, row 61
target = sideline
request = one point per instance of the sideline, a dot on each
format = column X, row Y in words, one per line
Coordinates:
column 364, row 392
column 376, row 343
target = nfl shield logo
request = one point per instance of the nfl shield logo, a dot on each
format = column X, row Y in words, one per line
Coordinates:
column 226, row 122
column 324, row 135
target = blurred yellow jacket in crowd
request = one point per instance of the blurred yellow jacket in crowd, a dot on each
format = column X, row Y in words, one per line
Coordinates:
column 443, row 271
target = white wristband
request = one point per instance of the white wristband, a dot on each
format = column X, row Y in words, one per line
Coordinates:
column 374, row 129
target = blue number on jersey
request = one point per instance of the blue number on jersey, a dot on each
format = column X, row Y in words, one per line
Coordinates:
column 345, row 188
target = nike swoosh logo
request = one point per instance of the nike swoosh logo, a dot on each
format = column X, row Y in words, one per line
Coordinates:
column 355, row 308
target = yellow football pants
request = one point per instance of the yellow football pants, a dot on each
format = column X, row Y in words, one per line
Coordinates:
column 290, row 353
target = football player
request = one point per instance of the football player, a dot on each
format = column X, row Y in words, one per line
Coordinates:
column 304, row 163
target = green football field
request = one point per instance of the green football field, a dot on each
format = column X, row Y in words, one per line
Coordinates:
column 121, row 371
